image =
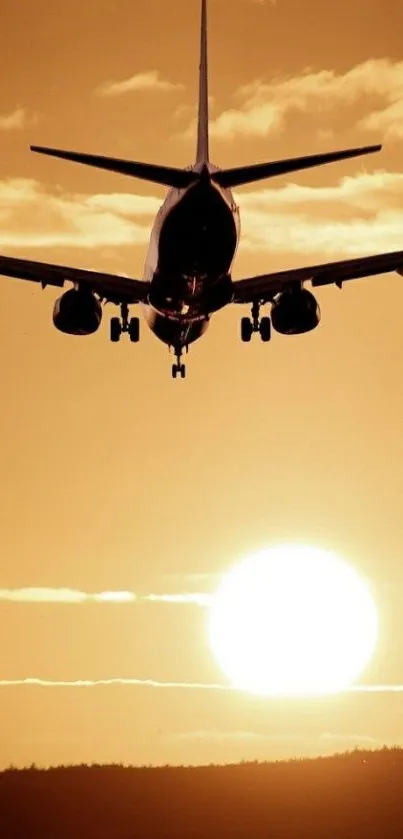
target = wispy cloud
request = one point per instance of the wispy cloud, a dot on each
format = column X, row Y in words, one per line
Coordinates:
column 73, row 596
column 63, row 595
column 361, row 215
column 32, row 215
column 264, row 106
column 155, row 683
column 16, row 119
column 87, row 683
column 198, row 598
column 149, row 81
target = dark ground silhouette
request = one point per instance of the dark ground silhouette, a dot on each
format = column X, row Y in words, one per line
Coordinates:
column 359, row 794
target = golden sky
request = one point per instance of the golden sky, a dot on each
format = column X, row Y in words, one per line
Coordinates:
column 116, row 478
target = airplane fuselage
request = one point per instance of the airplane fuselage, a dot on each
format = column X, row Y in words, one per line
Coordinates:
column 192, row 248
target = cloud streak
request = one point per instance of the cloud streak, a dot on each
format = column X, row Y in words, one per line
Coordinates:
column 73, row 596
column 83, row 683
column 201, row 686
column 198, row 598
column 149, row 81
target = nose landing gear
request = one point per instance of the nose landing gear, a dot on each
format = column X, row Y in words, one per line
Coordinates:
column 255, row 324
column 178, row 369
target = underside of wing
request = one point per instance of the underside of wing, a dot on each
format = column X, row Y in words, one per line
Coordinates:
column 110, row 287
column 265, row 287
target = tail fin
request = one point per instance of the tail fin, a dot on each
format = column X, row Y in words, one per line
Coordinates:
column 202, row 155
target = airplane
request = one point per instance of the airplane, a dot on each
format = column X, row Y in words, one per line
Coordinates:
column 188, row 269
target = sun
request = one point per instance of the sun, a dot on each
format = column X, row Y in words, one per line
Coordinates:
column 293, row 620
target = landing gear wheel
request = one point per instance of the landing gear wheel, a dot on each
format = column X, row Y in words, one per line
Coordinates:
column 178, row 370
column 115, row 330
column 265, row 329
column 134, row 330
column 246, row 330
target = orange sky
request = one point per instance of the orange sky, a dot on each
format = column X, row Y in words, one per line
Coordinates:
column 117, row 478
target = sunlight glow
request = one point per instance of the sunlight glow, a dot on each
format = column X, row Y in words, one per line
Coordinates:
column 293, row 620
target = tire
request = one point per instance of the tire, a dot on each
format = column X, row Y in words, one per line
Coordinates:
column 116, row 330
column 183, row 371
column 265, row 329
column 134, row 330
column 174, row 371
column 246, row 330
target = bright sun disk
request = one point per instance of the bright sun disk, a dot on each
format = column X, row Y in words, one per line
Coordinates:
column 293, row 620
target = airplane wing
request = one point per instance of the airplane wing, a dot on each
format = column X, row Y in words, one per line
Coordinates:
column 265, row 287
column 111, row 287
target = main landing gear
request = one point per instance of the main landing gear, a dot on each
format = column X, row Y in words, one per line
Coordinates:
column 255, row 324
column 124, row 324
column 178, row 369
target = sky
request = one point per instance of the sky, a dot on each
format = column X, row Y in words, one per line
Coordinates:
column 117, row 479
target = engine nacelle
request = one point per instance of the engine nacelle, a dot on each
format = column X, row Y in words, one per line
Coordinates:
column 77, row 312
column 294, row 312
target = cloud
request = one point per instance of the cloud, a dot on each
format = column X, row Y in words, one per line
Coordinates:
column 360, row 215
column 150, row 81
column 202, row 686
column 16, row 119
column 34, row 216
column 85, row 683
column 63, row 595
column 388, row 121
column 265, row 106
column 194, row 597
column 72, row 596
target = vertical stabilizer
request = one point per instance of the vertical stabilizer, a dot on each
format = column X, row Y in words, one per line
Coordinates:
column 202, row 125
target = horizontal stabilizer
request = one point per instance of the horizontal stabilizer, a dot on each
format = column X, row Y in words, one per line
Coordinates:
column 248, row 174
column 179, row 178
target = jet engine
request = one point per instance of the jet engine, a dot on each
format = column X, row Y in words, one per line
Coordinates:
column 77, row 312
column 295, row 311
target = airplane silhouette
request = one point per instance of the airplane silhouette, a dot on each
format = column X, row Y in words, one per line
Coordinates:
column 187, row 275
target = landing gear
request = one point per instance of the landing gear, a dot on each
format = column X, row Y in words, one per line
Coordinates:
column 134, row 330
column 246, row 330
column 255, row 324
column 265, row 329
column 116, row 330
column 123, row 324
column 178, row 369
